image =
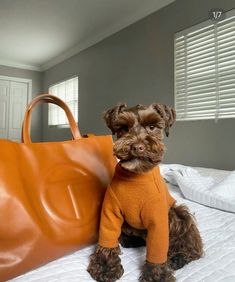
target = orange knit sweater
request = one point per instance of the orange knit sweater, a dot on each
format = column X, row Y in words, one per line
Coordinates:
column 143, row 201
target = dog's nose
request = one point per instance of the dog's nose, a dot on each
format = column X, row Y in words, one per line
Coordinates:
column 138, row 148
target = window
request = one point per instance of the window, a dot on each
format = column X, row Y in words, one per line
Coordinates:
column 205, row 70
column 67, row 91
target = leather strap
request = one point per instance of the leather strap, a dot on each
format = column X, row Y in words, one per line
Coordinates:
column 47, row 98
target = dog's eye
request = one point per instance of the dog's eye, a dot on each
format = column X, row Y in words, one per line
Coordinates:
column 123, row 128
column 151, row 127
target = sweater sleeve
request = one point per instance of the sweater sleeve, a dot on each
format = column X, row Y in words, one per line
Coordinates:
column 111, row 221
column 155, row 219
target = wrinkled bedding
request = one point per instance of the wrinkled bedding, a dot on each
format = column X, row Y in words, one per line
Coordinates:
column 206, row 190
column 217, row 228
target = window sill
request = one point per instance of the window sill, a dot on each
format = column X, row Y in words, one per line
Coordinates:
column 60, row 126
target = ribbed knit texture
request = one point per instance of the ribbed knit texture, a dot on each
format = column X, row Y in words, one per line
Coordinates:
column 143, row 201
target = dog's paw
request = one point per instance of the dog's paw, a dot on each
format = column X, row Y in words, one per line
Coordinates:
column 178, row 261
column 156, row 273
column 105, row 265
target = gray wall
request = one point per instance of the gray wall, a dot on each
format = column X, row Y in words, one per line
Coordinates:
column 36, row 77
column 136, row 65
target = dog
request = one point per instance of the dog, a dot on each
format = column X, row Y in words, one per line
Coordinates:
column 168, row 230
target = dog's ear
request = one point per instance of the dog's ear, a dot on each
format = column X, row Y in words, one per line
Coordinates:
column 168, row 114
column 111, row 115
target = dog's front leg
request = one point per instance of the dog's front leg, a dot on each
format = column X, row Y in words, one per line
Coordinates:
column 105, row 264
column 157, row 242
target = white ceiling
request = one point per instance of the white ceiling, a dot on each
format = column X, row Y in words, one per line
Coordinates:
column 37, row 34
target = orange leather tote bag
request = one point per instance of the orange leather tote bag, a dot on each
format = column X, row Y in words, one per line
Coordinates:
column 50, row 194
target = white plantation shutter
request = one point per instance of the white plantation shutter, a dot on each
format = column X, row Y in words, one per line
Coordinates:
column 67, row 91
column 205, row 70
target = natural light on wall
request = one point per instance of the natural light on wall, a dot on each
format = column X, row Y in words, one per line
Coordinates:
column 205, row 70
column 67, row 91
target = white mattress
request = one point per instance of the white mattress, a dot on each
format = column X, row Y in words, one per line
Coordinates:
column 218, row 232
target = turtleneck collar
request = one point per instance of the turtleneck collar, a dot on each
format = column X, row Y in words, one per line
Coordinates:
column 150, row 175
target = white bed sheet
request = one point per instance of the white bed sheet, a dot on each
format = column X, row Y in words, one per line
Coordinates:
column 218, row 264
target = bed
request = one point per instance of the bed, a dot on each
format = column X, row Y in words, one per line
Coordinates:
column 217, row 228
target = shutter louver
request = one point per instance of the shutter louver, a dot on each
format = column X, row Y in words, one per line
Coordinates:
column 205, row 71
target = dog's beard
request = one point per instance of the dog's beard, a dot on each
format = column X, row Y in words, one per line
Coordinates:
column 138, row 162
column 137, row 165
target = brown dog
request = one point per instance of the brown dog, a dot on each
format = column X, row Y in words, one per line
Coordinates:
column 139, row 147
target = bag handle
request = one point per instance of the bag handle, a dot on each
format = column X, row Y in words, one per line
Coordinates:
column 47, row 98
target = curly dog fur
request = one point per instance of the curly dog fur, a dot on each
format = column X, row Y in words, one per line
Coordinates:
column 185, row 240
column 139, row 147
column 156, row 272
column 105, row 264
